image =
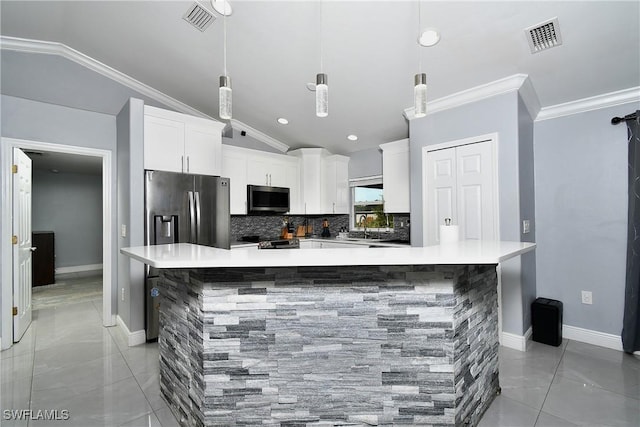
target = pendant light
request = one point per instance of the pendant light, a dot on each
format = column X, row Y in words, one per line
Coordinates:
column 420, row 79
column 322, row 89
column 224, row 93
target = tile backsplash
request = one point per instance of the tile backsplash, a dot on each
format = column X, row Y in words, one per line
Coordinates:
column 269, row 227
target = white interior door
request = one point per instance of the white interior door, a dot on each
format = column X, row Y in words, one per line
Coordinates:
column 476, row 192
column 460, row 184
column 441, row 192
column 22, row 248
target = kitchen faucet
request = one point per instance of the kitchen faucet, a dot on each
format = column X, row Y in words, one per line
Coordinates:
column 363, row 222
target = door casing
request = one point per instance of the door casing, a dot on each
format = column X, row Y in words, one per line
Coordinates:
column 6, row 250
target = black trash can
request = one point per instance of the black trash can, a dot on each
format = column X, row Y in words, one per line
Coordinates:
column 546, row 321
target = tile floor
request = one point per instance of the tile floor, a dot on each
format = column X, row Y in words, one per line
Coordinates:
column 67, row 360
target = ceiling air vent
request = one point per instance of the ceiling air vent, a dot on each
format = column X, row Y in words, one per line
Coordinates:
column 199, row 17
column 544, row 35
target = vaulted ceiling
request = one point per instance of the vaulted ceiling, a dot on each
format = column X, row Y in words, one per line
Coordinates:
column 369, row 49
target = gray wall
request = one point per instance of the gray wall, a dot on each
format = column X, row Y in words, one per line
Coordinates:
column 581, row 211
column 70, row 205
column 498, row 114
column 130, row 122
column 37, row 121
column 527, row 207
column 365, row 163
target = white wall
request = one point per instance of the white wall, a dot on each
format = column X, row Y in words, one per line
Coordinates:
column 70, row 205
column 581, row 211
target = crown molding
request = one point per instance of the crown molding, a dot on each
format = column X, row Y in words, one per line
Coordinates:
column 54, row 48
column 597, row 102
column 477, row 93
column 260, row 136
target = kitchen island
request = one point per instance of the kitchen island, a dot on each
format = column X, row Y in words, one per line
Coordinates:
column 329, row 336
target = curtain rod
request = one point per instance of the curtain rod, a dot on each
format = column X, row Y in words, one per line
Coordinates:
column 616, row 120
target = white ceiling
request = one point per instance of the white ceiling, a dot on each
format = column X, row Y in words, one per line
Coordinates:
column 370, row 56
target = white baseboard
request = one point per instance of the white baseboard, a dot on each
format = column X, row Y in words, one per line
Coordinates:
column 516, row 342
column 133, row 338
column 78, row 268
column 592, row 337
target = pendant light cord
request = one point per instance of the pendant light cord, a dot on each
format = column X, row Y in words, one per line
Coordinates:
column 321, row 47
column 418, row 40
column 224, row 26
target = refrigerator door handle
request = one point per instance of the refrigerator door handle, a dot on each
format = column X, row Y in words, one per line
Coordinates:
column 192, row 218
column 198, row 213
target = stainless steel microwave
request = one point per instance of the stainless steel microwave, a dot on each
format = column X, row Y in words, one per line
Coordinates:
column 263, row 200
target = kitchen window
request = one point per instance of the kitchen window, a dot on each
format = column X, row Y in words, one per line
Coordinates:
column 367, row 208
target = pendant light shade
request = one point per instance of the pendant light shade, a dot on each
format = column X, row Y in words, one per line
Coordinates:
column 420, row 95
column 224, row 95
column 322, row 95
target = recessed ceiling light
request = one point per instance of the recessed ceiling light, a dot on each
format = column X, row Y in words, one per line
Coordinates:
column 283, row 121
column 429, row 37
column 352, row 137
column 222, row 7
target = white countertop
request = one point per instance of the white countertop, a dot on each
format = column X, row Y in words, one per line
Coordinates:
column 186, row 255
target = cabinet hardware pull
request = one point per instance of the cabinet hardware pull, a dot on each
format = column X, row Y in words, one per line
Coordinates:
column 188, row 168
column 182, row 160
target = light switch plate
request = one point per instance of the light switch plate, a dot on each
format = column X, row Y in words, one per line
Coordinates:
column 123, row 230
column 587, row 297
column 526, row 226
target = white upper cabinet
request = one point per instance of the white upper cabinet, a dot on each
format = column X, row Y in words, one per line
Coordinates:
column 252, row 167
column 234, row 167
column 324, row 181
column 395, row 176
column 335, row 184
column 178, row 142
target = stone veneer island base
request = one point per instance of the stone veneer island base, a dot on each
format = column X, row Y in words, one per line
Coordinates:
column 348, row 345
column 398, row 336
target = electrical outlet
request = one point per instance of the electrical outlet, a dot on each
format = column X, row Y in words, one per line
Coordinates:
column 587, row 297
column 526, row 226
column 122, row 294
column 123, row 230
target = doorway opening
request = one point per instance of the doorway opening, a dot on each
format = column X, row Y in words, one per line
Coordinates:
column 105, row 158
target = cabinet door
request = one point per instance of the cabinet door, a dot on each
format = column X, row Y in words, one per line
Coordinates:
column 234, row 167
column 342, row 188
column 258, row 170
column 395, row 176
column 202, row 145
column 163, row 144
column 291, row 169
column 329, row 184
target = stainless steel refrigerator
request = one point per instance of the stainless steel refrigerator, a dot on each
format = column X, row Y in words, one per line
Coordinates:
column 182, row 208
